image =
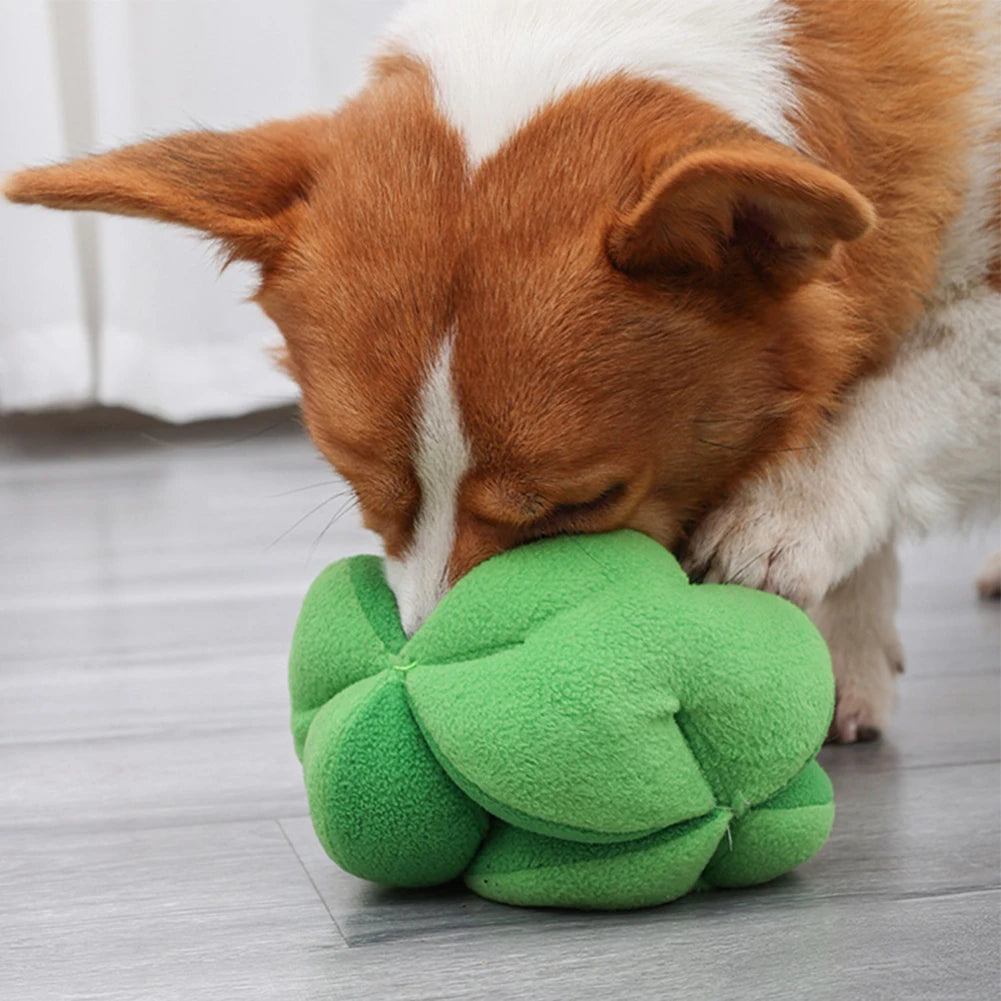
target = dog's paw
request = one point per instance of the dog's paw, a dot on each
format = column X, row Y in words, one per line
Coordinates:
column 860, row 715
column 755, row 541
column 866, row 685
column 989, row 578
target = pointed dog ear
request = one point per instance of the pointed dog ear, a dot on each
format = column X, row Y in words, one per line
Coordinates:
column 783, row 213
column 235, row 186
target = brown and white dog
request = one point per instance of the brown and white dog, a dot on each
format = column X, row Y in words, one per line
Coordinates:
column 724, row 271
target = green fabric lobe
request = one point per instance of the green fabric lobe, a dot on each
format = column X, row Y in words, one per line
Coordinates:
column 398, row 818
column 544, row 769
column 516, row 866
column 325, row 660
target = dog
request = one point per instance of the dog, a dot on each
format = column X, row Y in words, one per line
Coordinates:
column 723, row 272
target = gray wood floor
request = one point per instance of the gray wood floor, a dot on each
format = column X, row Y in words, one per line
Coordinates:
column 154, row 842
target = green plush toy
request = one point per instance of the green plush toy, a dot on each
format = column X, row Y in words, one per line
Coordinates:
column 575, row 725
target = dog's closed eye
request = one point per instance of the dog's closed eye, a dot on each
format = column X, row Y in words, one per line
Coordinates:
column 567, row 516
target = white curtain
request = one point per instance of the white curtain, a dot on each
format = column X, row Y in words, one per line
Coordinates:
column 96, row 309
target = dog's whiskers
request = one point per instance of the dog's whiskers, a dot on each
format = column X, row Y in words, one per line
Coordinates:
column 208, row 446
column 310, row 486
column 349, row 505
column 299, row 521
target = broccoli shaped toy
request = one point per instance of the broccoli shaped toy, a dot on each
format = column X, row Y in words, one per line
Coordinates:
column 575, row 725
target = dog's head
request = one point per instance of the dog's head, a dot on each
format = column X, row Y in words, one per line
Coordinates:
column 609, row 322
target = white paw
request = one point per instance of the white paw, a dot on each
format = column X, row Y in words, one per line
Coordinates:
column 862, row 711
column 759, row 544
column 989, row 578
column 865, row 679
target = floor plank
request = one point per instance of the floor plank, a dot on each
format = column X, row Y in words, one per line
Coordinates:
column 198, row 911
column 925, row 949
column 184, row 777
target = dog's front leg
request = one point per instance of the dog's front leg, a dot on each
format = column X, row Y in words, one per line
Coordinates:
column 914, row 448
column 803, row 525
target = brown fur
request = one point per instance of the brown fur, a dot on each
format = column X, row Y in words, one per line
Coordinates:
column 888, row 95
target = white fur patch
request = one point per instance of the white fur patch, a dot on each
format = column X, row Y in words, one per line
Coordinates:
column 971, row 241
column 441, row 457
column 497, row 62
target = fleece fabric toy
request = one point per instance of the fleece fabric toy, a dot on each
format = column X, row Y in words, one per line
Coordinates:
column 575, row 725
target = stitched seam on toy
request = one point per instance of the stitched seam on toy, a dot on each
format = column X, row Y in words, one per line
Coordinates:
column 778, row 792
column 383, row 641
column 549, row 621
column 633, row 846
column 383, row 678
column 330, row 765
column 524, row 820
column 680, row 718
column 476, row 654
column 740, row 805
column 488, row 651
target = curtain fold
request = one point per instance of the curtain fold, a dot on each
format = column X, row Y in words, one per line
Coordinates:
column 46, row 356
column 97, row 309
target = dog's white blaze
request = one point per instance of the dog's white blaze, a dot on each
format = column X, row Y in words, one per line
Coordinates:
column 495, row 63
column 441, row 457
